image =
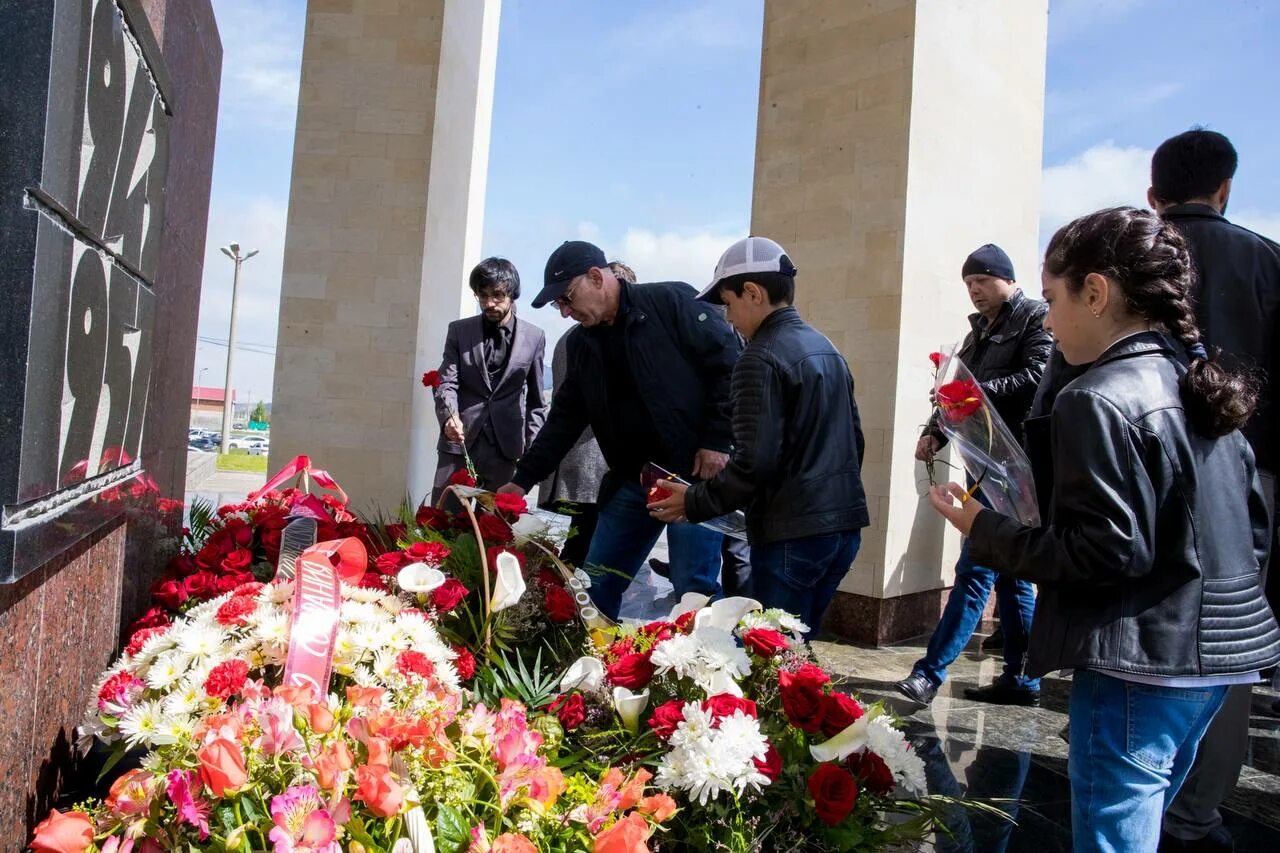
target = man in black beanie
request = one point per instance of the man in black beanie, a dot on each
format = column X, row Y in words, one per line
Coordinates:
column 1006, row 352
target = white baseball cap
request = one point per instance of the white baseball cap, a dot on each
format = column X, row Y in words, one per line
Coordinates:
column 748, row 255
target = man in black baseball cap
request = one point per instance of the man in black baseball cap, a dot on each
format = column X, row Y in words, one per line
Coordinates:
column 648, row 371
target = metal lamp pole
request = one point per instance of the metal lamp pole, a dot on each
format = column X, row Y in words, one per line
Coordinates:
column 232, row 251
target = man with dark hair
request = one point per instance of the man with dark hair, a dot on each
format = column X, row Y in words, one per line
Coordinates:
column 490, row 395
column 797, row 441
column 1237, row 304
column 1006, row 351
column 648, row 370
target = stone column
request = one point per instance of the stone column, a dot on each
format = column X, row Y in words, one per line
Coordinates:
column 385, row 215
column 894, row 137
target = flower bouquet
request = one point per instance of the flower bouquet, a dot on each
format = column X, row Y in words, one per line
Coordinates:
column 993, row 459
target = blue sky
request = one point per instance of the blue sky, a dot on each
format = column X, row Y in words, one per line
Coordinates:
column 634, row 125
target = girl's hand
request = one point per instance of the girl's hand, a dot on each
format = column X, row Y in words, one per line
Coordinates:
column 961, row 516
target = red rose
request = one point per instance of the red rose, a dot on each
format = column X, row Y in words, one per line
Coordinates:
column 511, row 504
column 834, row 793
column 811, row 674
column 430, row 518
column 959, row 399
column 571, row 709
column 461, row 478
column 396, row 532
column 871, row 772
column 226, row 583
column 169, row 593
column 559, row 605
column 156, row 617
column 724, row 704
column 464, row 663
column 390, row 562
column 201, row 585
column 632, row 671
column 803, row 701
column 271, row 544
column 771, row 765
column 842, row 711
column 431, row 553
column 236, row 610
column 765, row 642
column 494, row 529
column 182, row 565
column 431, row 379
column 936, row 358
column 372, row 580
column 665, row 719
column 237, row 560
column 226, row 679
column 493, row 552
column 446, row 596
column 208, row 557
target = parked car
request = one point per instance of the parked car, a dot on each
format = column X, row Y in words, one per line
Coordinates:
column 203, row 444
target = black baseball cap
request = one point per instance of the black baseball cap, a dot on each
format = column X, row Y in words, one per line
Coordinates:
column 572, row 259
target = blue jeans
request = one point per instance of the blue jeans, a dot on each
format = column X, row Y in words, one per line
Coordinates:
column 1015, row 601
column 800, row 576
column 624, row 536
column 1131, row 748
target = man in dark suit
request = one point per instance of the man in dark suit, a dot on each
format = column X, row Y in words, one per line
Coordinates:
column 490, row 393
column 1237, row 304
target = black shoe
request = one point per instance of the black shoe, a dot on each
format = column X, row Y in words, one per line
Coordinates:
column 661, row 569
column 917, row 688
column 1275, row 707
column 1219, row 840
column 995, row 642
column 1004, row 693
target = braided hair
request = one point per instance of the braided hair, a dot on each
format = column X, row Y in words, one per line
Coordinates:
column 1149, row 261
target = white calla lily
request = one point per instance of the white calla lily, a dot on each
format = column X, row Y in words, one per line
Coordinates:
column 509, row 584
column 689, row 602
column 586, row 674
column 722, row 682
column 529, row 526
column 630, row 706
column 726, row 613
column 845, row 742
column 419, row 577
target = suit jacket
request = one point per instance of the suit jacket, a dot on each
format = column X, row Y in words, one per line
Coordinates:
column 580, row 473
column 514, row 407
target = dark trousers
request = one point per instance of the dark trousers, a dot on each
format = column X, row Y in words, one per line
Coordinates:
column 494, row 468
column 582, row 526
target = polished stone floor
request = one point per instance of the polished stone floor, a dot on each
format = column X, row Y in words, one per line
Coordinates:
column 978, row 750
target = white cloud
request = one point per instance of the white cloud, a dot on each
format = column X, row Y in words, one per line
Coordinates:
column 261, row 60
column 1102, row 176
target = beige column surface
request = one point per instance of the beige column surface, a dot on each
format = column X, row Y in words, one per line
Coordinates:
column 385, row 211
column 894, row 137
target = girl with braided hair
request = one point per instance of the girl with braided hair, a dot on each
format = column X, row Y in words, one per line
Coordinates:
column 1149, row 557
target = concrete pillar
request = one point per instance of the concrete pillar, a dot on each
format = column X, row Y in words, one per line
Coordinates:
column 385, row 214
column 894, row 137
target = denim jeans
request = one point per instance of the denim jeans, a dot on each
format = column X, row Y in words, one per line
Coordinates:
column 624, row 536
column 800, row 576
column 1131, row 748
column 1015, row 602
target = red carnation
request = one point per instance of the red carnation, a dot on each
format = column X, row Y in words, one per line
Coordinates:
column 620, row 647
column 226, row 583
column 559, row 604
column 446, row 596
column 665, row 718
column 237, row 560
column 871, row 771
column 570, row 708
column 140, row 637
column 372, row 580
column 431, row 553
column 959, row 399
column 684, row 621
column 659, row 631
column 226, row 679
column 236, row 610
column 632, row 671
column 771, row 765
column 765, row 642
column 834, row 793
column 249, row 587
column 169, row 593
column 511, row 504
column 431, row 379
column 464, row 663
column 462, row 478
column 841, row 712
column 390, row 562
column 410, row 662
column 494, row 529
column 430, row 518
column 725, row 704
column 936, row 358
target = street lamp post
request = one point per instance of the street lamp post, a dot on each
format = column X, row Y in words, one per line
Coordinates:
column 232, row 251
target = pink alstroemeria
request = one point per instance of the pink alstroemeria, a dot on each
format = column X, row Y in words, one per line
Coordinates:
column 530, row 772
column 278, row 734
column 302, row 824
column 191, row 809
column 512, row 738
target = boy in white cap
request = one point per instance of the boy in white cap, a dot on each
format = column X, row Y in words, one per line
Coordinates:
column 797, row 441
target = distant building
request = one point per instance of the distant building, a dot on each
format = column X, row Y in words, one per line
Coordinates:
column 206, row 406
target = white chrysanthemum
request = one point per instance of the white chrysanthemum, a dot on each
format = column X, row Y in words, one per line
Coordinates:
column 279, row 593
column 168, row 669
column 361, row 613
column 775, row 620
column 722, row 652
column 175, row 728
column 384, row 665
column 707, row 758
column 141, row 725
column 363, row 676
column 391, row 603
column 155, row 763
column 711, row 657
column 87, row 732
column 888, row 743
column 679, row 653
column 356, row 593
column 205, row 612
column 273, row 627
column 152, row 648
column 203, row 641
column 186, row 698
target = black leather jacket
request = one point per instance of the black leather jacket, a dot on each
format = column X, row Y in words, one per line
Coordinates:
column 1151, row 564
column 680, row 353
column 797, row 454
column 1007, row 356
